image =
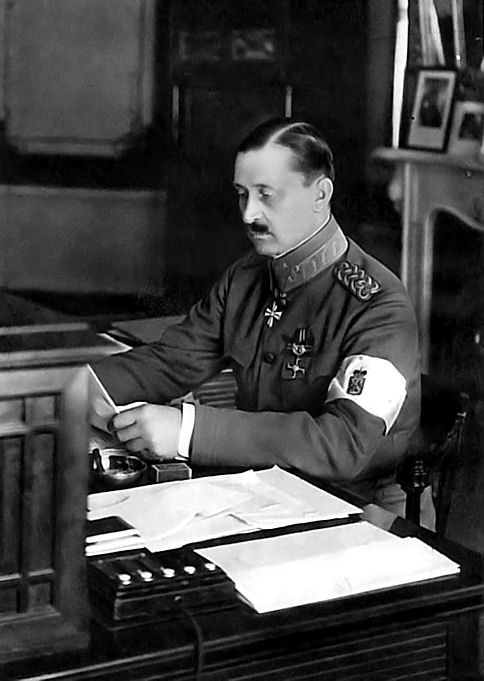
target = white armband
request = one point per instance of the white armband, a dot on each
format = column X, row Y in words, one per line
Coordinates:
column 373, row 383
column 186, row 430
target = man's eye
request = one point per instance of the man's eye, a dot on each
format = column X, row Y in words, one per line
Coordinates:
column 265, row 195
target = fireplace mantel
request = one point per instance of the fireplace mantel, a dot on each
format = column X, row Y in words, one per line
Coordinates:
column 431, row 183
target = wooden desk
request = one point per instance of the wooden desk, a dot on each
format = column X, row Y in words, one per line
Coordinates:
column 400, row 634
column 431, row 183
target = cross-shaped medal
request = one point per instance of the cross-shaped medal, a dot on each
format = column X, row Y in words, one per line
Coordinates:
column 296, row 368
column 299, row 346
column 272, row 314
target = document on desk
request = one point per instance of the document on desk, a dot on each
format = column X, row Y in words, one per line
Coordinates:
column 172, row 514
column 324, row 564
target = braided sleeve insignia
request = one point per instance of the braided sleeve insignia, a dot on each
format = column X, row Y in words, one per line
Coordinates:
column 356, row 280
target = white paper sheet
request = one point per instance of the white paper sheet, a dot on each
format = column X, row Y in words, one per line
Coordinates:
column 172, row 514
column 318, row 565
column 102, row 407
column 165, row 508
column 284, row 499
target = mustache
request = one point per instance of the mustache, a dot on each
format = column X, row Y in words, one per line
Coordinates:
column 258, row 227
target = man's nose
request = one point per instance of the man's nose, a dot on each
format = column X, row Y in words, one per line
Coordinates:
column 251, row 210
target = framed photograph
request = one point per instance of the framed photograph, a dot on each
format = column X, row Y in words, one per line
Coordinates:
column 254, row 45
column 467, row 128
column 431, row 109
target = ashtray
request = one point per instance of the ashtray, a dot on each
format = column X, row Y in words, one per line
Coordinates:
column 115, row 468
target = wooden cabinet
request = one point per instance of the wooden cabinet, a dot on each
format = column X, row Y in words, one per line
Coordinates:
column 233, row 65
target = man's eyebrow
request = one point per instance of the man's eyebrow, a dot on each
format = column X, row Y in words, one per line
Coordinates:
column 257, row 185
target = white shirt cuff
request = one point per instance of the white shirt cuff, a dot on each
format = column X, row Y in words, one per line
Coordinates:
column 186, row 430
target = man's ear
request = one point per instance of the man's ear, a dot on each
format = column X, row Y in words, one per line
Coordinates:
column 324, row 192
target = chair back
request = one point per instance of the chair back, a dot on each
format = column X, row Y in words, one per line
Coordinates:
column 219, row 391
column 434, row 460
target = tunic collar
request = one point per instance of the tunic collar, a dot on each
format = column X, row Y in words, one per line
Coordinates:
column 309, row 259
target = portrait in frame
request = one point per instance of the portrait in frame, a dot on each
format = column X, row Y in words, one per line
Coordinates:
column 431, row 109
column 254, row 45
column 467, row 129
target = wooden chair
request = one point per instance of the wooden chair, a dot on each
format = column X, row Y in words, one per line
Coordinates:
column 436, row 455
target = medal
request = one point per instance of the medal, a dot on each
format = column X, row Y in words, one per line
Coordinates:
column 296, row 369
column 299, row 347
column 274, row 313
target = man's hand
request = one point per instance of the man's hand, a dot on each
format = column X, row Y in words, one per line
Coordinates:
column 149, row 427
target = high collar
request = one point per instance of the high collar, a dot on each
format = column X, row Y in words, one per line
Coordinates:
column 309, row 259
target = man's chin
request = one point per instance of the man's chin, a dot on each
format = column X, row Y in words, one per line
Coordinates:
column 264, row 245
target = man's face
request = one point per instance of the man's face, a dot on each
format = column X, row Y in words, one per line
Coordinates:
column 277, row 205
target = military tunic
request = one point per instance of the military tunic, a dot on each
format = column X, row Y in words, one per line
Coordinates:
column 304, row 334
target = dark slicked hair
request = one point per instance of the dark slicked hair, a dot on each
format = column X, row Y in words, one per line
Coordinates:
column 311, row 152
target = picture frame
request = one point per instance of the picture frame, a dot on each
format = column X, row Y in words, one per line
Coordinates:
column 253, row 45
column 431, row 109
column 467, row 130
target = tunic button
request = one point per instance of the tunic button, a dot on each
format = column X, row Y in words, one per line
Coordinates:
column 269, row 357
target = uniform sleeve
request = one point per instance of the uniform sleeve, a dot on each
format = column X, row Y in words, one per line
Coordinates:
column 186, row 354
column 371, row 405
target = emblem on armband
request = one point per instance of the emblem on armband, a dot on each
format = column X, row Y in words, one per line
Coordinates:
column 356, row 280
column 356, row 382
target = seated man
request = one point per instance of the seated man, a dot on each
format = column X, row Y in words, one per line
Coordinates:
column 321, row 337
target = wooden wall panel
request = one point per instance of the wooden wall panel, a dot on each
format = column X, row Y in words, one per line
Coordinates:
column 81, row 240
column 10, row 504
column 78, row 74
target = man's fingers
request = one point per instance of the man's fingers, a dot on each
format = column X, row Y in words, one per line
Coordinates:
column 124, row 419
column 126, row 434
column 136, row 445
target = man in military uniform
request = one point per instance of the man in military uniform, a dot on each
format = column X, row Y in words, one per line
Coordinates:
column 321, row 338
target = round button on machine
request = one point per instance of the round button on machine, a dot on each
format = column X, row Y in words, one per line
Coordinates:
column 145, row 575
column 124, row 578
column 167, row 572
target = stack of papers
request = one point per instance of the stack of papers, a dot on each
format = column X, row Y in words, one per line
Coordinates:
column 111, row 534
column 324, row 564
column 172, row 514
